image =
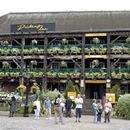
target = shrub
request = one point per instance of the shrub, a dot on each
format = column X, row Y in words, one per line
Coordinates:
column 123, row 107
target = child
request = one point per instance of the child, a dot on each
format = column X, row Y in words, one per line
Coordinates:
column 99, row 111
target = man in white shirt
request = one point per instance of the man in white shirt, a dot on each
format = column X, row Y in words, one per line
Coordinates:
column 79, row 105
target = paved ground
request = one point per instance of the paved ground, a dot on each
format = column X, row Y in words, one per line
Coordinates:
column 29, row 123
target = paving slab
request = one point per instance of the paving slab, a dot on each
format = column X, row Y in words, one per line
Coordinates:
column 29, row 123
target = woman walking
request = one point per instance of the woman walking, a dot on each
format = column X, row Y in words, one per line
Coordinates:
column 107, row 109
column 37, row 107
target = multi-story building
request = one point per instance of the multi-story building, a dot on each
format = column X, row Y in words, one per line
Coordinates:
column 90, row 48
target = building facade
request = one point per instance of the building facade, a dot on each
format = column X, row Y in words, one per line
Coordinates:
column 90, row 48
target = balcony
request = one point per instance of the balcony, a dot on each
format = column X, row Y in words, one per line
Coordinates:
column 95, row 73
column 121, row 73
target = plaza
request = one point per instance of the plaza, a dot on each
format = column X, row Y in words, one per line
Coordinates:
column 29, row 123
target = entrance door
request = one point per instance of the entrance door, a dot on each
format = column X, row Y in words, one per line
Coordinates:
column 95, row 91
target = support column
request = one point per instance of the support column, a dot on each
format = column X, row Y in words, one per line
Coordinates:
column 21, row 80
column 108, row 84
column 82, row 78
column 44, row 78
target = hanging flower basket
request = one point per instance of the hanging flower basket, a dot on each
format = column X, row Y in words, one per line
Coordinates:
column 63, row 64
column 95, row 63
column 34, row 63
column 64, row 41
column 128, row 40
column 96, row 40
column 21, row 89
column 5, row 64
column 6, row 42
column 128, row 63
column 34, row 42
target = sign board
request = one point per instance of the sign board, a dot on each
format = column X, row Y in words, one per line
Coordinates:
column 95, row 81
column 110, row 97
column 38, row 27
column 108, row 85
column 72, row 95
column 96, row 56
column 95, row 34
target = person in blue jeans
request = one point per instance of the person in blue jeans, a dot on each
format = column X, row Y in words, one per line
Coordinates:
column 94, row 110
column 99, row 111
column 79, row 103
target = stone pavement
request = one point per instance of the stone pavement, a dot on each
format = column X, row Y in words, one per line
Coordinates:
column 29, row 123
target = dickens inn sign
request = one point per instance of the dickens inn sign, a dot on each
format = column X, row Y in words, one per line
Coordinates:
column 39, row 27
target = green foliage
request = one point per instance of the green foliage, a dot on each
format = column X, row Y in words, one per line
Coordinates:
column 128, row 40
column 122, row 109
column 116, row 89
column 71, row 88
column 52, row 94
column 77, row 89
column 96, row 40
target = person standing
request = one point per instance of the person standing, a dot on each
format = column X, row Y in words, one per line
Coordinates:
column 47, row 105
column 12, row 104
column 79, row 105
column 94, row 110
column 99, row 111
column 58, row 109
column 107, row 109
column 37, row 108
column 68, row 106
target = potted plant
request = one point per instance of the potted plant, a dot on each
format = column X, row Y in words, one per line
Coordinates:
column 96, row 40
column 128, row 40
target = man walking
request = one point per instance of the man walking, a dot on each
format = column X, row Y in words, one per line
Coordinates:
column 47, row 105
column 58, row 109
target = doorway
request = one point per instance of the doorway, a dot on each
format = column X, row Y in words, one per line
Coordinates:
column 95, row 91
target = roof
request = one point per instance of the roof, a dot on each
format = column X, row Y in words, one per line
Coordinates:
column 70, row 21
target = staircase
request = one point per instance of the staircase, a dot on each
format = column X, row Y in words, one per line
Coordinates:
column 87, row 107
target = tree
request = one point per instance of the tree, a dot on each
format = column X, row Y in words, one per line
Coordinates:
column 69, row 88
column 77, row 89
column 116, row 89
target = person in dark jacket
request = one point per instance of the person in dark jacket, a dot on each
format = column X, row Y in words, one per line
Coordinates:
column 12, row 104
column 68, row 106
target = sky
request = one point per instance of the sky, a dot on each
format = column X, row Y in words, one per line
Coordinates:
column 7, row 6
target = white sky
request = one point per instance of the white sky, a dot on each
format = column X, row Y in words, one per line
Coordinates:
column 7, row 6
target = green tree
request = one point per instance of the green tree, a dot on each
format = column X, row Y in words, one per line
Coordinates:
column 116, row 89
column 69, row 88
column 77, row 89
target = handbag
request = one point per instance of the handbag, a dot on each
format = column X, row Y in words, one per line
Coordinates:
column 35, row 107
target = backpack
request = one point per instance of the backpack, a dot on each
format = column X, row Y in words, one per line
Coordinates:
column 55, row 102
